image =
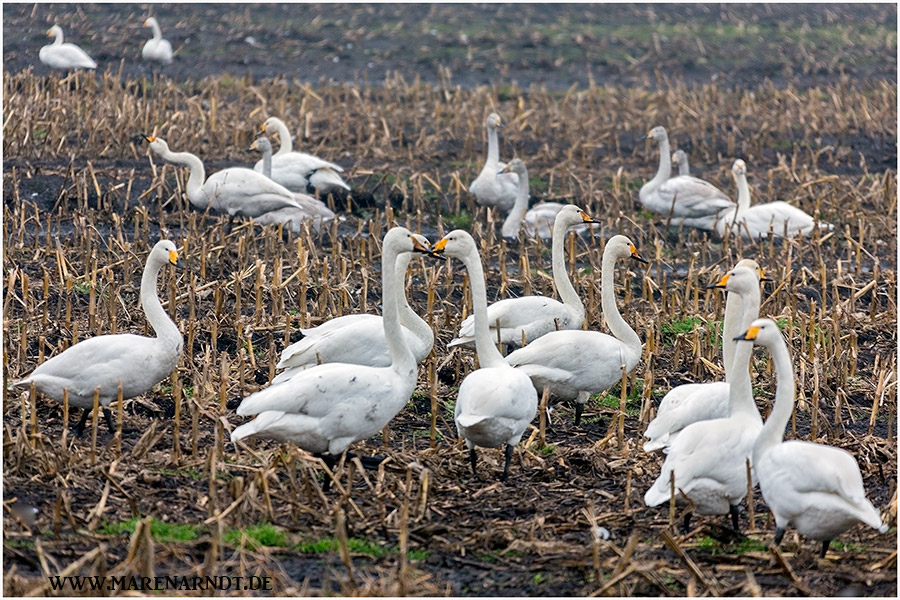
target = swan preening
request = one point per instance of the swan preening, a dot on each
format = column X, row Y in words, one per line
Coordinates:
column 496, row 402
column 61, row 55
column 694, row 402
column 682, row 196
column 575, row 364
column 103, row 362
column 708, row 458
column 156, row 48
column 525, row 319
column 815, row 488
column 299, row 171
column 236, row 191
column 326, row 408
column 491, row 187
column 310, row 209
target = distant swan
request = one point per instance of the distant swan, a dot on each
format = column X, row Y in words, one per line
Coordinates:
column 492, row 188
column 816, row 488
column 299, row 171
column 156, row 48
column 64, row 56
column 680, row 158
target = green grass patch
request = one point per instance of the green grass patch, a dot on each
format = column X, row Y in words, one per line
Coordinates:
column 160, row 530
column 263, row 534
column 463, row 220
column 680, row 326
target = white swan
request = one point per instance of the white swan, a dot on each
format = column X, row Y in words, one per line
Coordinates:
column 311, row 209
column 102, row 362
column 575, row 364
column 235, row 190
column 538, row 220
column 757, row 221
column 298, row 171
column 358, row 339
column 708, row 458
column 64, row 56
column 682, row 196
column 530, row 317
column 492, row 188
column 816, row 488
column 156, row 48
column 495, row 403
column 694, row 402
column 326, row 408
column 680, row 158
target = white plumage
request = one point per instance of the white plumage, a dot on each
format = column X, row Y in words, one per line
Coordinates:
column 708, row 458
column 495, row 403
column 815, row 488
column 533, row 316
column 757, row 221
column 236, row 191
column 156, row 48
column 575, row 364
column 358, row 339
column 694, row 402
column 104, row 361
column 680, row 158
column 61, row 55
column 298, row 170
column 682, row 196
column 491, row 187
column 328, row 407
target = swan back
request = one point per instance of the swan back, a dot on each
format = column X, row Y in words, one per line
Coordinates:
column 61, row 55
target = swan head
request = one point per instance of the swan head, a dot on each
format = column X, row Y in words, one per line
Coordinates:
column 55, row 32
column 457, row 243
column 622, row 247
column 752, row 264
column 678, row 156
column 743, row 280
column 164, row 252
column 157, row 144
column 739, row 168
column 516, row 166
column 272, row 122
column 402, row 239
column 263, row 145
column 763, row 332
column 150, row 22
column 493, row 121
column 573, row 215
column 658, row 133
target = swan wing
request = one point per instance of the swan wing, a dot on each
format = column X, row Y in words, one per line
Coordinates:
column 491, row 188
column 240, row 191
column 682, row 406
column 533, row 316
column 693, row 197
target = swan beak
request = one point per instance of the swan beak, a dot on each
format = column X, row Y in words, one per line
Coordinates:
column 173, row 260
column 252, row 146
column 589, row 219
column 262, row 128
column 763, row 277
column 439, row 247
column 49, row 33
column 749, row 335
column 649, row 135
column 636, row 256
column 424, row 249
column 149, row 138
column 721, row 283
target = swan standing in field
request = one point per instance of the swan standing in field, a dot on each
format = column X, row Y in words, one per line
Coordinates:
column 64, row 56
column 358, row 339
column 530, row 317
column 491, row 187
column 680, row 158
column 310, row 208
column 757, row 221
column 682, row 196
column 539, row 219
column 575, row 364
column 101, row 363
column 694, row 402
column 708, row 458
column 495, row 403
column 156, row 48
column 818, row 489
column 299, row 171
column 326, row 408
column 235, row 190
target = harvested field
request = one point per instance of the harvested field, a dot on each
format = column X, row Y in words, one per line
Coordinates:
column 169, row 495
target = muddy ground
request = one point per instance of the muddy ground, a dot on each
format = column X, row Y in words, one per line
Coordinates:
column 821, row 76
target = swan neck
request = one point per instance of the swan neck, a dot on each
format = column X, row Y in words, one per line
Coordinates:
column 408, row 317
column 488, row 355
column 197, row 175
column 731, row 326
column 743, row 199
column 617, row 325
column 402, row 360
column 772, row 432
column 740, row 394
column 513, row 220
column 57, row 38
column 665, row 163
column 493, row 155
column 160, row 322
column 564, row 286
column 284, row 136
column 157, row 33
column 267, row 164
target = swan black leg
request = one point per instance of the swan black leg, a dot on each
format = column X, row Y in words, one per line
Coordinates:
column 579, row 408
column 825, row 546
column 109, row 421
column 473, row 460
column 779, row 535
column 79, row 429
column 509, row 453
column 329, row 461
column 734, row 512
column 687, row 522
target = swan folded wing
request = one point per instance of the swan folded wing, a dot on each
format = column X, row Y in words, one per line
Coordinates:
column 325, row 179
column 761, row 218
column 533, row 315
column 337, row 323
column 684, row 405
column 244, row 191
column 693, row 197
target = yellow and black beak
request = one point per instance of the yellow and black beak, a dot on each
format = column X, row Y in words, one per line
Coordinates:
column 149, row 138
column 425, row 249
column 762, row 276
column 252, row 146
column 439, row 247
column 635, row 255
column 721, row 283
column 749, row 335
column 173, row 260
column 589, row 219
